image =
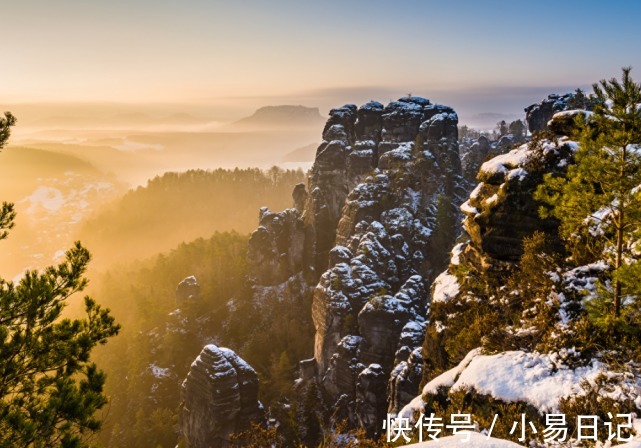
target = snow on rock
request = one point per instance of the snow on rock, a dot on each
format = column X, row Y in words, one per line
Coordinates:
column 455, row 259
column 445, row 287
column 220, row 397
column 477, row 191
column 446, row 379
column 506, row 162
column 468, row 209
column 540, row 380
column 187, row 290
column 583, row 279
column 517, row 173
column 159, row 372
column 515, row 376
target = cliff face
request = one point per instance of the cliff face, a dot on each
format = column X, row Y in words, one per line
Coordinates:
column 220, row 397
column 356, row 254
column 539, row 115
column 366, row 239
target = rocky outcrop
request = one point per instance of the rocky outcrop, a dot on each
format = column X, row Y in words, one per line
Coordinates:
column 501, row 211
column 365, row 239
column 187, row 290
column 277, row 248
column 379, row 234
column 499, row 214
column 220, row 397
column 538, row 115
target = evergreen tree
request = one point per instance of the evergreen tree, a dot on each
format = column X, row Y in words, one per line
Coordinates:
column 49, row 389
column 7, row 213
column 501, row 126
column 517, row 128
column 598, row 202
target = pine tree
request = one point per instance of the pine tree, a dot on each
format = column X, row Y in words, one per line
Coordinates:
column 49, row 388
column 501, row 126
column 7, row 213
column 598, row 201
column 517, row 128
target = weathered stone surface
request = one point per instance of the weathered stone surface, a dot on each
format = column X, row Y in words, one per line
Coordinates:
column 220, row 397
column 563, row 123
column 387, row 246
column 473, row 153
column 404, row 380
column 501, row 210
column 371, row 398
column 538, row 115
column 364, row 243
column 299, row 195
column 187, row 290
column 277, row 248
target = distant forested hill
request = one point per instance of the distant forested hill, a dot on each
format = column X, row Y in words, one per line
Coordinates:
column 179, row 207
column 148, row 361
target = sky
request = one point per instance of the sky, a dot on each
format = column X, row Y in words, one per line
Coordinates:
column 481, row 56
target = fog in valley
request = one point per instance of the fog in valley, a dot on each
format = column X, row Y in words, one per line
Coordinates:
column 67, row 168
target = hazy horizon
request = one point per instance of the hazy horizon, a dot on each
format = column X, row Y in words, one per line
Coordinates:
column 220, row 61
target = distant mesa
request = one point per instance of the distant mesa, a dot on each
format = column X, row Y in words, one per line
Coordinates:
column 302, row 154
column 280, row 117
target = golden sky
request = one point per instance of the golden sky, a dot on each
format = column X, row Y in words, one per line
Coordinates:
column 314, row 52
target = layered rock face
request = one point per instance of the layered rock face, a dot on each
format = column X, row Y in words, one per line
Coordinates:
column 366, row 238
column 187, row 290
column 220, row 397
column 381, row 209
column 538, row 115
column 501, row 211
column 499, row 214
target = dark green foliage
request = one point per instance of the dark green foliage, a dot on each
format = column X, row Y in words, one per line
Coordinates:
column 49, row 388
column 7, row 217
column 272, row 338
column 178, row 207
column 312, row 415
column 483, row 409
column 533, row 297
column 257, row 436
column 597, row 201
column 461, row 323
column 517, row 128
column 7, row 213
column 143, row 410
column 502, row 128
column 595, row 402
column 5, row 128
column 446, row 225
column 582, row 101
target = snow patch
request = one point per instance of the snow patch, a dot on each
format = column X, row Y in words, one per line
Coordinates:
column 445, row 287
column 159, row 372
column 468, row 209
column 455, row 259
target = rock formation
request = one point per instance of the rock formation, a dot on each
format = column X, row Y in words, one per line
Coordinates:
column 362, row 244
column 188, row 289
column 220, row 397
column 366, row 238
column 538, row 115
column 499, row 214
